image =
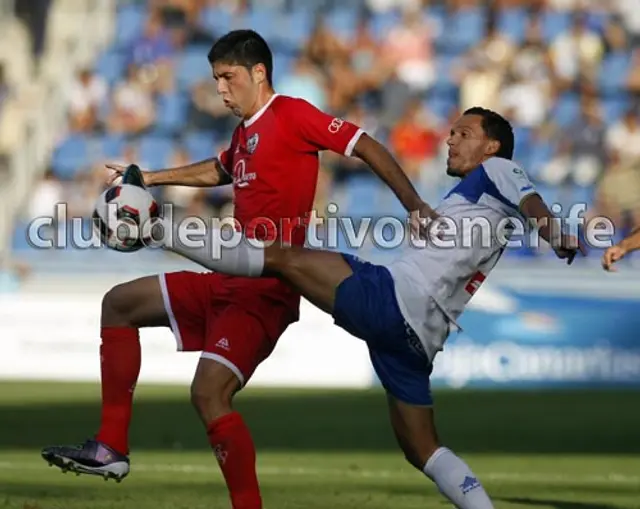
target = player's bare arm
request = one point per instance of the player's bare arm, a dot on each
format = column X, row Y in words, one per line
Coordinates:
column 387, row 168
column 614, row 253
column 565, row 246
column 207, row 173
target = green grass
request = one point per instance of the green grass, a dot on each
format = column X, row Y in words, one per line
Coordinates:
column 329, row 449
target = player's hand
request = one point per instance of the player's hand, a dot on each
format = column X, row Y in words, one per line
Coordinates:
column 117, row 170
column 419, row 220
column 569, row 247
column 612, row 255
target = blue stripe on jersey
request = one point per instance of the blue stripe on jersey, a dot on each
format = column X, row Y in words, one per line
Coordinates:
column 477, row 183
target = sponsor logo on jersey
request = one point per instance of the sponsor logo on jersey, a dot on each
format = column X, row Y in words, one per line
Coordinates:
column 475, row 282
column 240, row 176
column 224, row 344
column 252, row 143
column 335, row 125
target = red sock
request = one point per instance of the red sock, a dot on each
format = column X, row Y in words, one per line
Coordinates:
column 120, row 366
column 233, row 446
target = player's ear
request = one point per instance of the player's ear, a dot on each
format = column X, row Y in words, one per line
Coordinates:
column 492, row 148
column 259, row 73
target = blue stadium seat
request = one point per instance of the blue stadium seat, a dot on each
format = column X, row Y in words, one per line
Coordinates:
column 111, row 65
column 566, row 110
column 172, row 112
column 613, row 108
column 343, row 20
column 193, row 67
column 513, row 23
column 200, row 145
column 129, row 23
column 155, row 151
column 293, row 30
column 522, row 142
column 112, row 145
column 540, row 154
column 463, row 30
column 553, row 24
column 613, row 73
column 71, row 156
column 382, row 22
column 215, row 20
column 362, row 194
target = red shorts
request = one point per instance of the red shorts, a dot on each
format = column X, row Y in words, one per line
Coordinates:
column 238, row 327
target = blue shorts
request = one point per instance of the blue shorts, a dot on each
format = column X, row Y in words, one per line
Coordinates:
column 366, row 307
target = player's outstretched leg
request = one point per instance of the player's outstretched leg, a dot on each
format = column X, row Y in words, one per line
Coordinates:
column 415, row 431
column 125, row 308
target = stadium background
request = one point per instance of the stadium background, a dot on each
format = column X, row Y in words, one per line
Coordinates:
column 84, row 82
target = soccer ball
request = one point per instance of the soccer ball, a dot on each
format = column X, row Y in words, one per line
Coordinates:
column 123, row 217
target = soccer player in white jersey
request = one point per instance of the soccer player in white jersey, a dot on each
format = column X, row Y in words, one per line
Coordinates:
column 404, row 310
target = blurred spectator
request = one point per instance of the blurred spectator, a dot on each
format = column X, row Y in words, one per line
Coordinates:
column 305, row 81
column 623, row 138
column 133, row 107
column 413, row 139
column 47, row 193
column 576, row 54
column 525, row 101
column 409, row 46
column 207, row 111
column 587, row 137
column 618, row 192
column 87, row 95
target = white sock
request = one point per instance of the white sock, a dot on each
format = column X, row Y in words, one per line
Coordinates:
column 456, row 481
column 217, row 252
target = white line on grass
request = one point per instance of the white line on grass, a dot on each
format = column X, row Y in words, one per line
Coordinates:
column 507, row 477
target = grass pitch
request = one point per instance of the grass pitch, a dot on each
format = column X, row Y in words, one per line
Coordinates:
column 329, row 449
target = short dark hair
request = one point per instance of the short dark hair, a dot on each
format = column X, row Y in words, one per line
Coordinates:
column 496, row 127
column 243, row 47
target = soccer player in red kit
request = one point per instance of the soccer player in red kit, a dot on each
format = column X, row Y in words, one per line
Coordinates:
column 272, row 162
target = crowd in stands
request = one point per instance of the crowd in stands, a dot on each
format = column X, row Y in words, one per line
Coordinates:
column 565, row 72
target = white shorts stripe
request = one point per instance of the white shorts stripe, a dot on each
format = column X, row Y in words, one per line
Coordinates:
column 169, row 310
column 225, row 362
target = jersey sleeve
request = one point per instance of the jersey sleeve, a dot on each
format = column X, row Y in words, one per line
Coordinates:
column 510, row 180
column 320, row 131
column 225, row 156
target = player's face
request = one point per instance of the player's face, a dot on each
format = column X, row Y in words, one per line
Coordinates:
column 237, row 87
column 468, row 145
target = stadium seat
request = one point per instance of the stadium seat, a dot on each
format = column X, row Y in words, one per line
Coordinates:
column 111, row 65
column 554, row 23
column 71, row 156
column 342, row 21
column 382, row 22
column 129, row 23
column 566, row 110
column 155, row 151
column 192, row 67
column 613, row 108
column 171, row 112
column 112, row 145
column 613, row 73
column 215, row 20
column 200, row 145
column 513, row 23
column 463, row 30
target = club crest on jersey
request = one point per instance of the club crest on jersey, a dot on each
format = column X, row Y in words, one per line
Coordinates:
column 252, row 143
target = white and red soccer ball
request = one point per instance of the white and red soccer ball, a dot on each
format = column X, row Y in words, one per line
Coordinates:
column 124, row 216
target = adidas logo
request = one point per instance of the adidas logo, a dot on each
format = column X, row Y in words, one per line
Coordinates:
column 223, row 343
column 469, row 484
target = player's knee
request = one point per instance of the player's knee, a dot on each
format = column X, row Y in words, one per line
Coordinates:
column 415, row 457
column 212, row 392
column 117, row 306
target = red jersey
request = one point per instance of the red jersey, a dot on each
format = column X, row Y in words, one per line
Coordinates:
column 274, row 161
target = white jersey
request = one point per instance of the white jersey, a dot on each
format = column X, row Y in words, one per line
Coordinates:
column 433, row 284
